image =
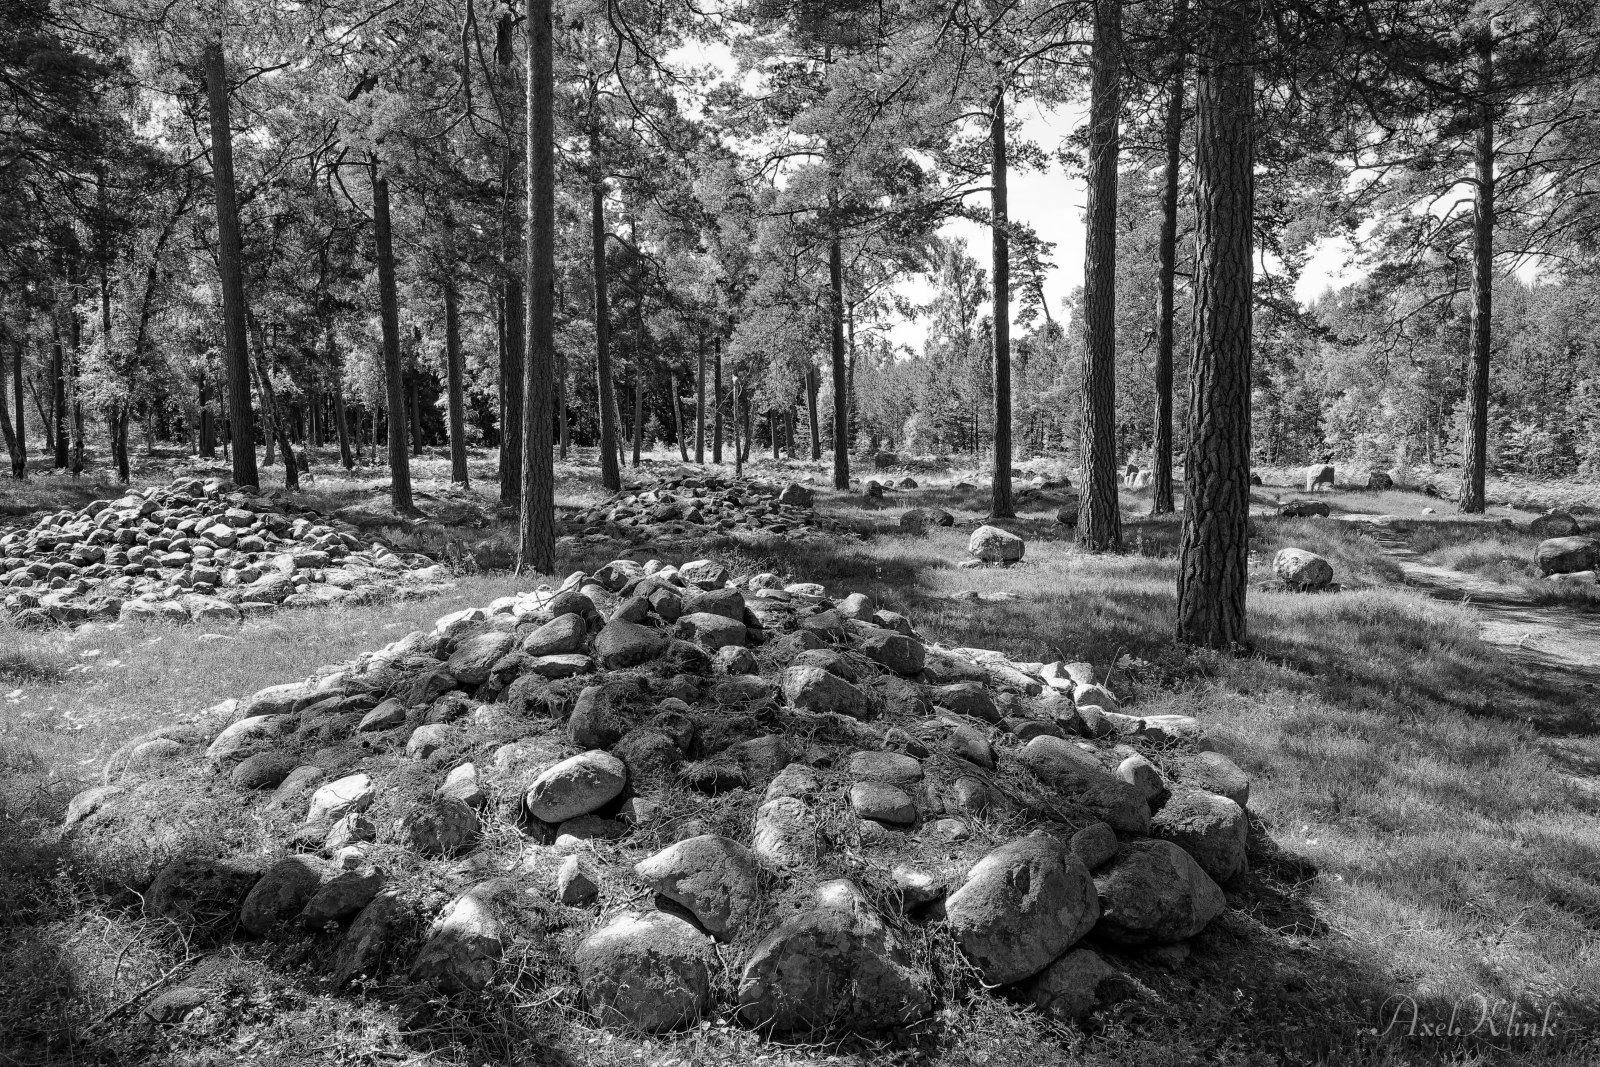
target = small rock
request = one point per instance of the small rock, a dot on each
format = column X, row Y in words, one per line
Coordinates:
column 883, row 803
column 714, row 877
column 1070, row 988
column 576, row 786
column 577, row 884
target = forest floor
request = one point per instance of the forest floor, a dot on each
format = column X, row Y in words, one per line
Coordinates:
column 1425, row 849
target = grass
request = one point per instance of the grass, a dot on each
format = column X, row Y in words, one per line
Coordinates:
column 1414, row 833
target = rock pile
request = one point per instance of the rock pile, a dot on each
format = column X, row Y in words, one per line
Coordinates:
column 200, row 551
column 695, row 795
column 686, row 511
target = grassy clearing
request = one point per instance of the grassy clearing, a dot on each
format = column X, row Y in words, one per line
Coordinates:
column 1414, row 835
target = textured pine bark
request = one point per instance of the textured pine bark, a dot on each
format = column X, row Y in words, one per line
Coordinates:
column 1167, row 271
column 394, row 381
column 536, row 545
column 1214, row 548
column 1099, row 520
column 841, row 414
column 700, row 404
column 610, row 468
column 1000, row 503
column 455, row 385
column 512, row 298
column 716, row 400
column 1483, row 218
column 235, row 344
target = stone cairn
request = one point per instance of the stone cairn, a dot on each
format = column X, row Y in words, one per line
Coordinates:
column 200, row 551
column 691, row 796
column 685, row 511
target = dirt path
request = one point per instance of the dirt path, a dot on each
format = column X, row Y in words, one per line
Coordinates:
column 1545, row 637
column 1555, row 648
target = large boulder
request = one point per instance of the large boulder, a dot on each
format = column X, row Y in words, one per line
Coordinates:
column 1567, row 555
column 1082, row 780
column 1154, row 893
column 1378, row 481
column 1304, row 509
column 1319, row 474
column 1020, row 907
column 1555, row 524
column 919, row 519
column 714, row 877
column 1300, row 569
column 994, row 545
column 576, row 786
column 647, row 970
column 1209, row 827
column 795, row 495
column 836, row 965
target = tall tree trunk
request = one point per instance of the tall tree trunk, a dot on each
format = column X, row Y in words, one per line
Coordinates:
column 414, row 396
column 700, row 404
column 564, row 428
column 610, row 469
column 208, row 421
column 1100, row 520
column 536, row 544
column 389, row 312
column 773, row 431
column 230, row 268
column 1476, row 459
column 788, row 429
column 276, row 425
column 513, row 300
column 1000, row 503
column 15, row 446
column 841, row 413
column 638, row 409
column 341, row 418
column 812, row 384
column 58, row 394
column 738, row 454
column 19, row 460
column 454, row 379
column 1167, row 270
column 677, row 419
column 1213, row 556
column 716, row 406
column 850, row 427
